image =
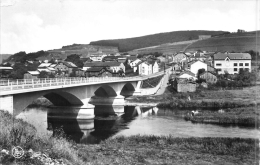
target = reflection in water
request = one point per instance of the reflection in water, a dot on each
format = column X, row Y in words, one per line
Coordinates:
column 134, row 121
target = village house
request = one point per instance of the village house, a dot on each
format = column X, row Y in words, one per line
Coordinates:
column 198, row 55
column 194, row 66
column 209, row 77
column 232, row 62
column 46, row 67
column 131, row 59
column 31, row 74
column 179, row 57
column 5, row 71
column 148, row 67
column 183, row 85
column 65, row 67
column 134, row 65
column 188, row 75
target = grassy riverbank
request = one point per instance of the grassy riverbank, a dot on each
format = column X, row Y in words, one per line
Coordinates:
column 246, row 95
column 124, row 150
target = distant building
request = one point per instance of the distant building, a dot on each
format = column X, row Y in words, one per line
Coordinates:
column 232, row 62
column 240, row 31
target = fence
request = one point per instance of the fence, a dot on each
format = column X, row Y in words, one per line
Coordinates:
column 7, row 85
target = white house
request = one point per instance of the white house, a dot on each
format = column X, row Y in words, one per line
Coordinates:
column 196, row 65
column 232, row 62
column 134, row 63
column 188, row 75
column 148, row 67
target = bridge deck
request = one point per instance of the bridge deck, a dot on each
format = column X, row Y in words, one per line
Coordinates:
column 8, row 87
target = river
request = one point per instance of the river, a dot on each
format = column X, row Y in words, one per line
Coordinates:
column 135, row 121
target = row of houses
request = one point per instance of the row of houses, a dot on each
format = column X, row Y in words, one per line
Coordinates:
column 205, row 67
column 226, row 62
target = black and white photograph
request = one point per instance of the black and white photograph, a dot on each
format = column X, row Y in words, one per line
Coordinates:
column 129, row 82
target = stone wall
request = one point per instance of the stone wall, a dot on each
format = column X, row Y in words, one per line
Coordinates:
column 189, row 87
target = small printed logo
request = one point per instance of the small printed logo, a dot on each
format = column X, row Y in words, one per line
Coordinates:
column 17, row 152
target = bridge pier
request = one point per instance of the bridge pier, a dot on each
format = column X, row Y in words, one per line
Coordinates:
column 83, row 112
column 6, row 103
column 106, row 110
column 117, row 100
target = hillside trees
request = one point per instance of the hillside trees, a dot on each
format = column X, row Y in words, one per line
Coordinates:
column 75, row 59
column 18, row 71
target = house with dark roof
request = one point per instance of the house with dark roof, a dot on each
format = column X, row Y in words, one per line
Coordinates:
column 100, row 72
column 232, row 62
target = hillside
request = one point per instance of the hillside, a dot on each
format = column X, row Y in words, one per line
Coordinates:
column 232, row 42
column 129, row 44
column 164, row 48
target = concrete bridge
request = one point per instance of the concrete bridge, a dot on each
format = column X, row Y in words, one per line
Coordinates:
column 77, row 95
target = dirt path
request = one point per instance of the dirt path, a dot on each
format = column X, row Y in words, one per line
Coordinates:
column 164, row 84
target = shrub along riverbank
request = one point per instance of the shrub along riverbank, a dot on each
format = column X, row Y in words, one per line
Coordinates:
column 124, row 150
column 248, row 116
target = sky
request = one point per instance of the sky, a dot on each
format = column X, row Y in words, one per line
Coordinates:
column 33, row 25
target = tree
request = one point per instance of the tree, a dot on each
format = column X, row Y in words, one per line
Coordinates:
column 18, row 71
column 200, row 71
column 75, row 59
column 43, row 74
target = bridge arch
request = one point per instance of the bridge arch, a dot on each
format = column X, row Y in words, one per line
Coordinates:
column 105, row 91
column 57, row 98
column 127, row 90
column 61, row 98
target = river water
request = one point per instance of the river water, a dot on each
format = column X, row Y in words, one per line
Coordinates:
column 135, row 121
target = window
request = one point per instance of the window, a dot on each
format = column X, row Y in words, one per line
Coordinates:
column 235, row 64
column 219, row 70
column 218, row 64
column 240, row 64
column 235, row 69
column 246, row 69
column 246, row 64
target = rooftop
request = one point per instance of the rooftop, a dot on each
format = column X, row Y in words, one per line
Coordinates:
column 232, row 56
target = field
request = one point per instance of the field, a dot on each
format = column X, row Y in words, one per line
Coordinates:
column 236, row 44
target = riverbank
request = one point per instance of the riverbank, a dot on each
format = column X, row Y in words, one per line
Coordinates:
column 237, row 107
column 123, row 150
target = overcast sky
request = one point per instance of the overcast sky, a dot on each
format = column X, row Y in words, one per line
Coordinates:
column 33, row 25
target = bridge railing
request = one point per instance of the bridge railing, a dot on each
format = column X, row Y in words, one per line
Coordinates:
column 6, row 85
